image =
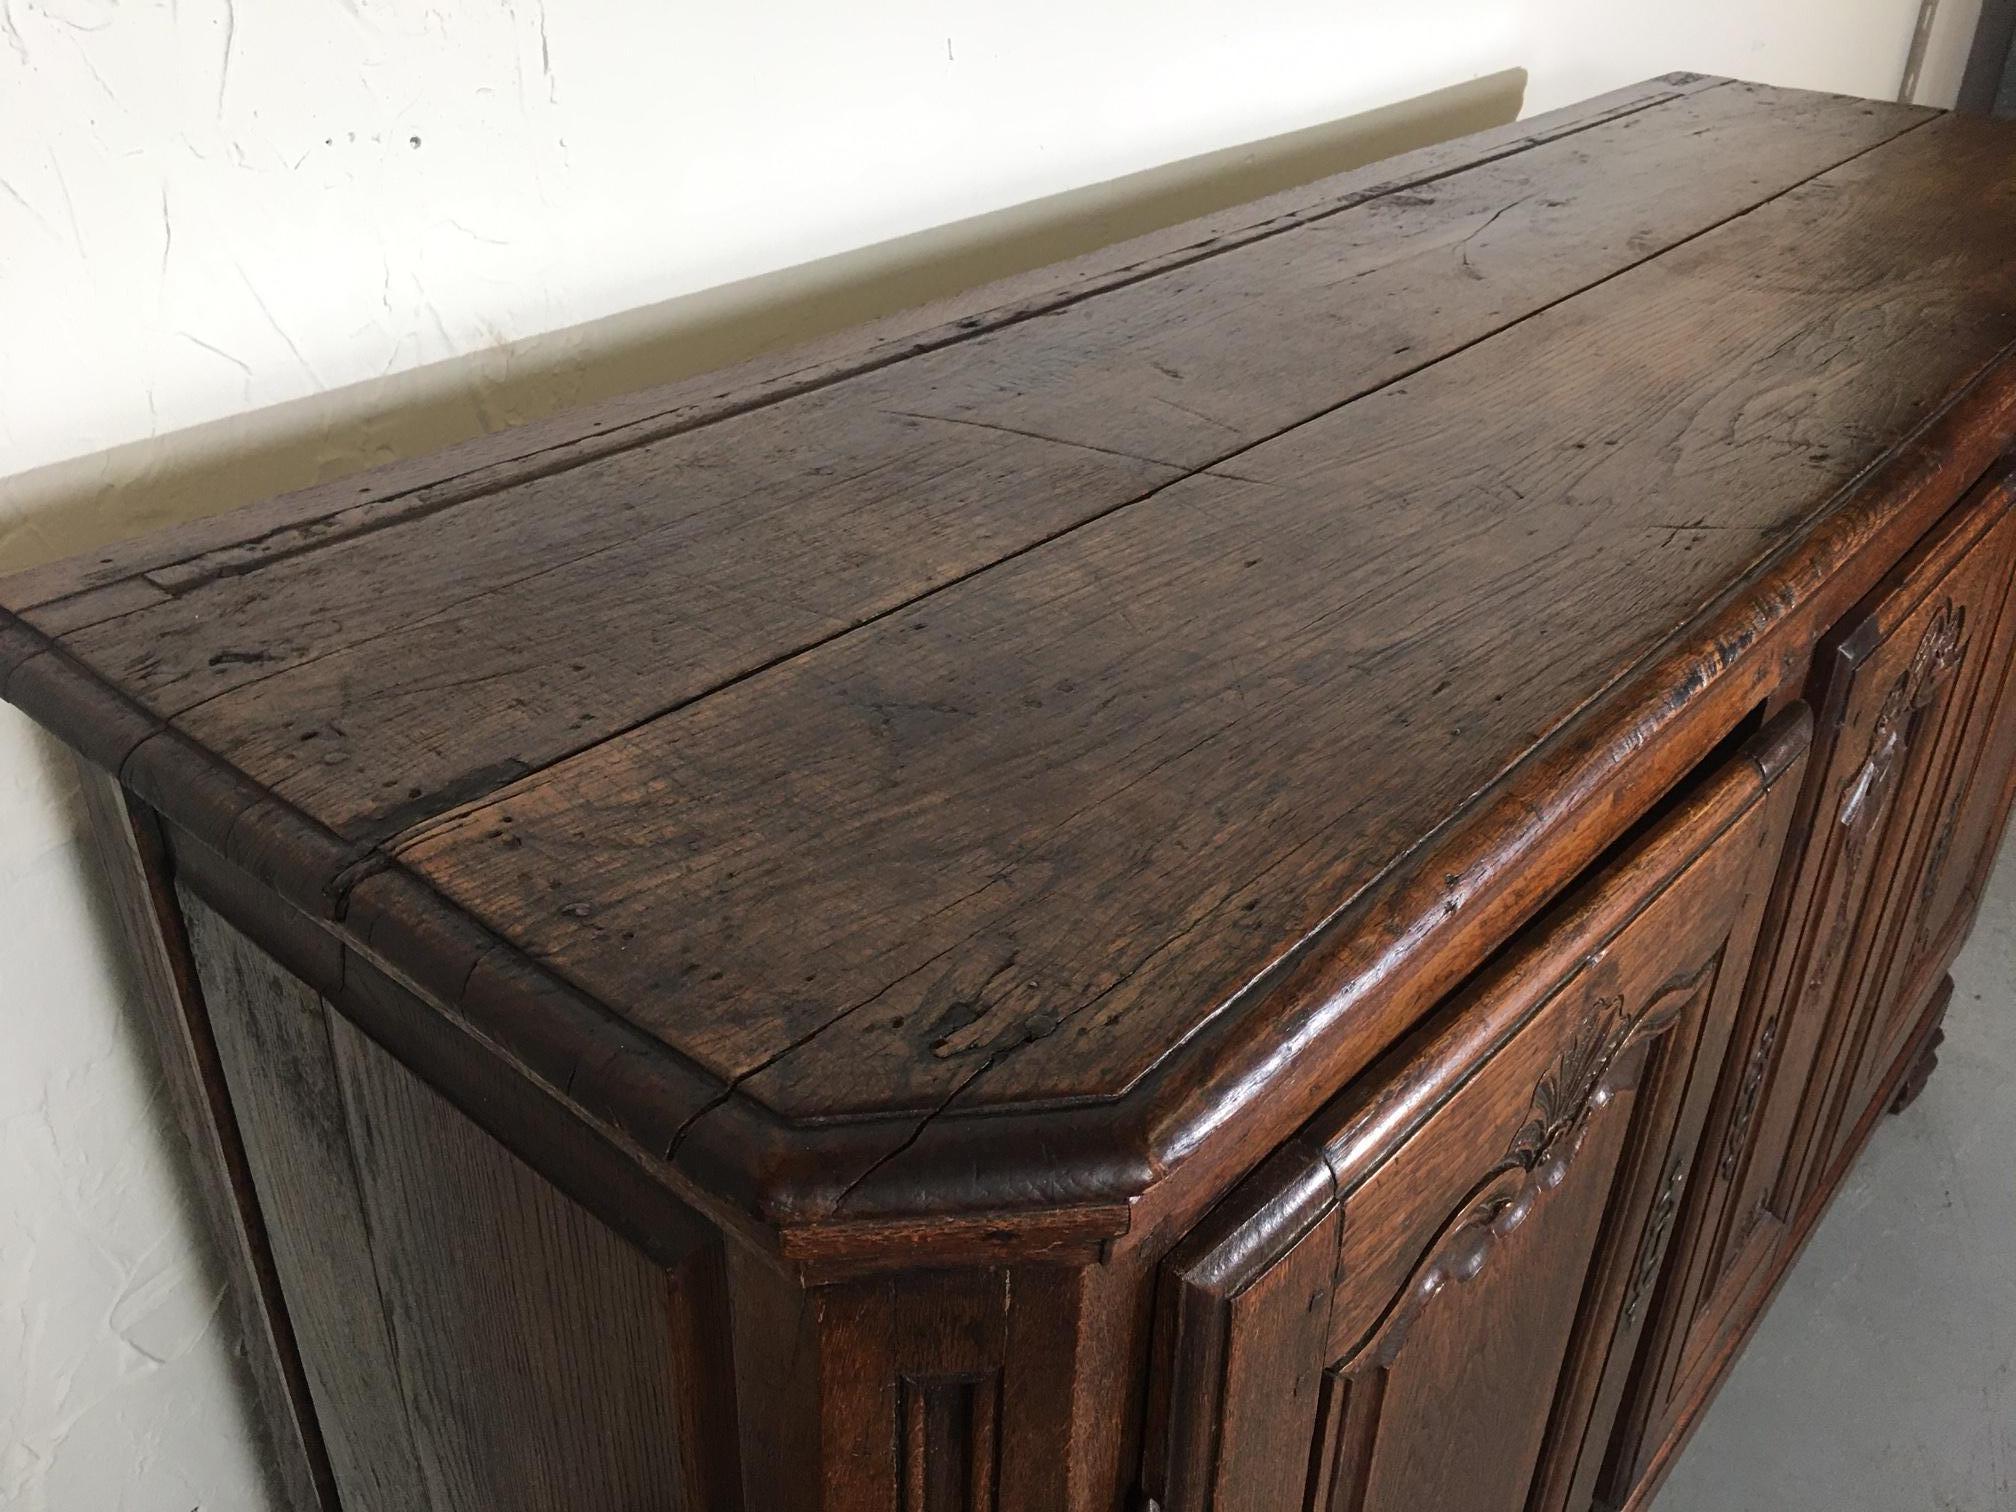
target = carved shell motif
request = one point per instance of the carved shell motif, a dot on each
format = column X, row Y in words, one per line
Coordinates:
column 1572, row 1092
column 1601, row 1061
column 1940, row 652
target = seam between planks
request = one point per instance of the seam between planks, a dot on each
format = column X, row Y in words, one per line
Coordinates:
column 372, row 857
column 1299, row 948
column 419, row 829
column 464, row 487
column 1266, row 979
column 1263, row 981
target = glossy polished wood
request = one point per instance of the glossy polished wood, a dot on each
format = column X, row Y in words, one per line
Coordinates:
column 852, row 861
column 1471, row 1233
column 1915, row 726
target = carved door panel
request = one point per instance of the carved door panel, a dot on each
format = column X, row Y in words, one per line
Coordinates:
column 1956, row 808
column 1921, row 654
column 1432, row 1296
column 1898, row 761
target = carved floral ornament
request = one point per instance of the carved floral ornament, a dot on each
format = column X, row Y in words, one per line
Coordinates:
column 1737, row 1140
column 1652, row 1249
column 1940, row 652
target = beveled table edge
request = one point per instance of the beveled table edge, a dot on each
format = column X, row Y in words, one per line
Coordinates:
column 1073, row 1179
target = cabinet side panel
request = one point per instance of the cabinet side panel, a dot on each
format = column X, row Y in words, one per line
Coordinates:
column 534, row 1346
column 476, row 1341
column 136, row 872
column 273, row 1040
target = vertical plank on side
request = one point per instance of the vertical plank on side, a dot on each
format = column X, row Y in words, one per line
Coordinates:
column 1274, row 1376
column 475, row 1341
column 129, row 846
column 273, row 1040
column 815, row 1376
column 534, row 1346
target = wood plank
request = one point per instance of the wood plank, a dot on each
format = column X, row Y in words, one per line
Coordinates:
column 581, row 1399
column 303, row 519
column 1247, row 1291
column 450, row 1372
column 143, row 897
column 376, row 681
column 273, row 1039
column 1107, row 782
column 1135, row 1063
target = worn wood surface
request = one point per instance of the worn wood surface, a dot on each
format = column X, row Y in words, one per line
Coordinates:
column 1438, row 1286
column 1126, row 706
column 1009, row 835
column 274, row 1044
column 473, row 1339
column 705, row 557
column 302, row 520
column 137, row 877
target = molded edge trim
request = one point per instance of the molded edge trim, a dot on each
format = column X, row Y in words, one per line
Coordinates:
column 1064, row 1179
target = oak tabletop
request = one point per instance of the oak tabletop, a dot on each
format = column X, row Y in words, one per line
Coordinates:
column 1088, row 702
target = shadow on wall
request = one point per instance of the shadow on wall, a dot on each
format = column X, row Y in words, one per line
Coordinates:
column 112, row 495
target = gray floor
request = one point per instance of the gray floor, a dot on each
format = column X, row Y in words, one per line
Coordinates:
column 1884, row 1377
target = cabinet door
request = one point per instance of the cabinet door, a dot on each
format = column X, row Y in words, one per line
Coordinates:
column 1912, row 799
column 1430, row 1298
column 1946, row 813
column 1905, row 799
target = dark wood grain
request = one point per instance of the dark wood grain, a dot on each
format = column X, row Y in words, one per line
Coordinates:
column 1007, row 836
column 581, row 1397
column 274, row 1042
column 82, row 590
column 496, row 640
column 137, row 875
column 473, row 1340
column 1147, row 841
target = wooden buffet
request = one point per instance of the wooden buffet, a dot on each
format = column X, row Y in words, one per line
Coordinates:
column 1274, row 869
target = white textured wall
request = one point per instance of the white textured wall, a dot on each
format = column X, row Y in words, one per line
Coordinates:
column 240, row 202
column 118, row 1388
column 212, row 206
column 1577, row 47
